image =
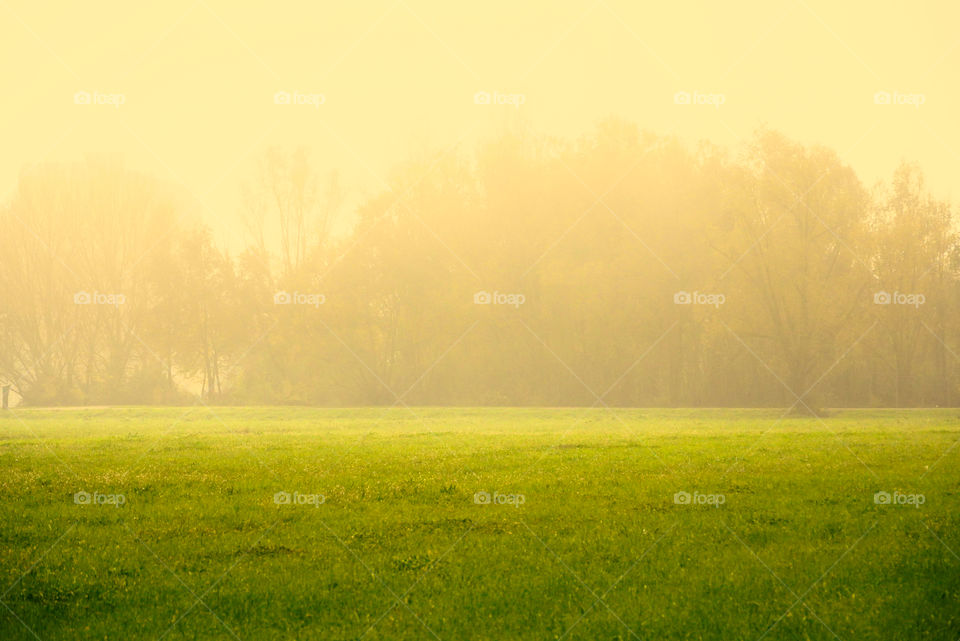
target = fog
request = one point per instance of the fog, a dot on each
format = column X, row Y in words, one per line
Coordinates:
column 430, row 203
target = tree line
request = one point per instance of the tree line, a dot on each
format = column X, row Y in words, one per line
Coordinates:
column 621, row 268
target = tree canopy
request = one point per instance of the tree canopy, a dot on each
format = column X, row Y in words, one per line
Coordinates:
column 622, row 268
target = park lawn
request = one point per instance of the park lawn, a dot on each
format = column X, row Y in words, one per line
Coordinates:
column 582, row 538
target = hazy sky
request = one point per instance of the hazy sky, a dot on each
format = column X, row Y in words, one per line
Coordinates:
column 198, row 80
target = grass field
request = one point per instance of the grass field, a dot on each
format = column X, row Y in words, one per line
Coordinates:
column 388, row 533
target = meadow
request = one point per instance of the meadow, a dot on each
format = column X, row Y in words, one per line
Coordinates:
column 430, row 523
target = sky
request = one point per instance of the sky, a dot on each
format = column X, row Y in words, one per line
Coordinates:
column 194, row 92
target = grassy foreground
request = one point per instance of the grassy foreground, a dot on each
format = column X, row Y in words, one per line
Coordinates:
column 140, row 523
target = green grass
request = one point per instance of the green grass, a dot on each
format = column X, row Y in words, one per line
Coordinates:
column 400, row 550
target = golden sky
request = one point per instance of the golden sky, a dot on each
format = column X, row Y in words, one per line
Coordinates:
column 188, row 90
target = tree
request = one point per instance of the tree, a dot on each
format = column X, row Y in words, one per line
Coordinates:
column 800, row 242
